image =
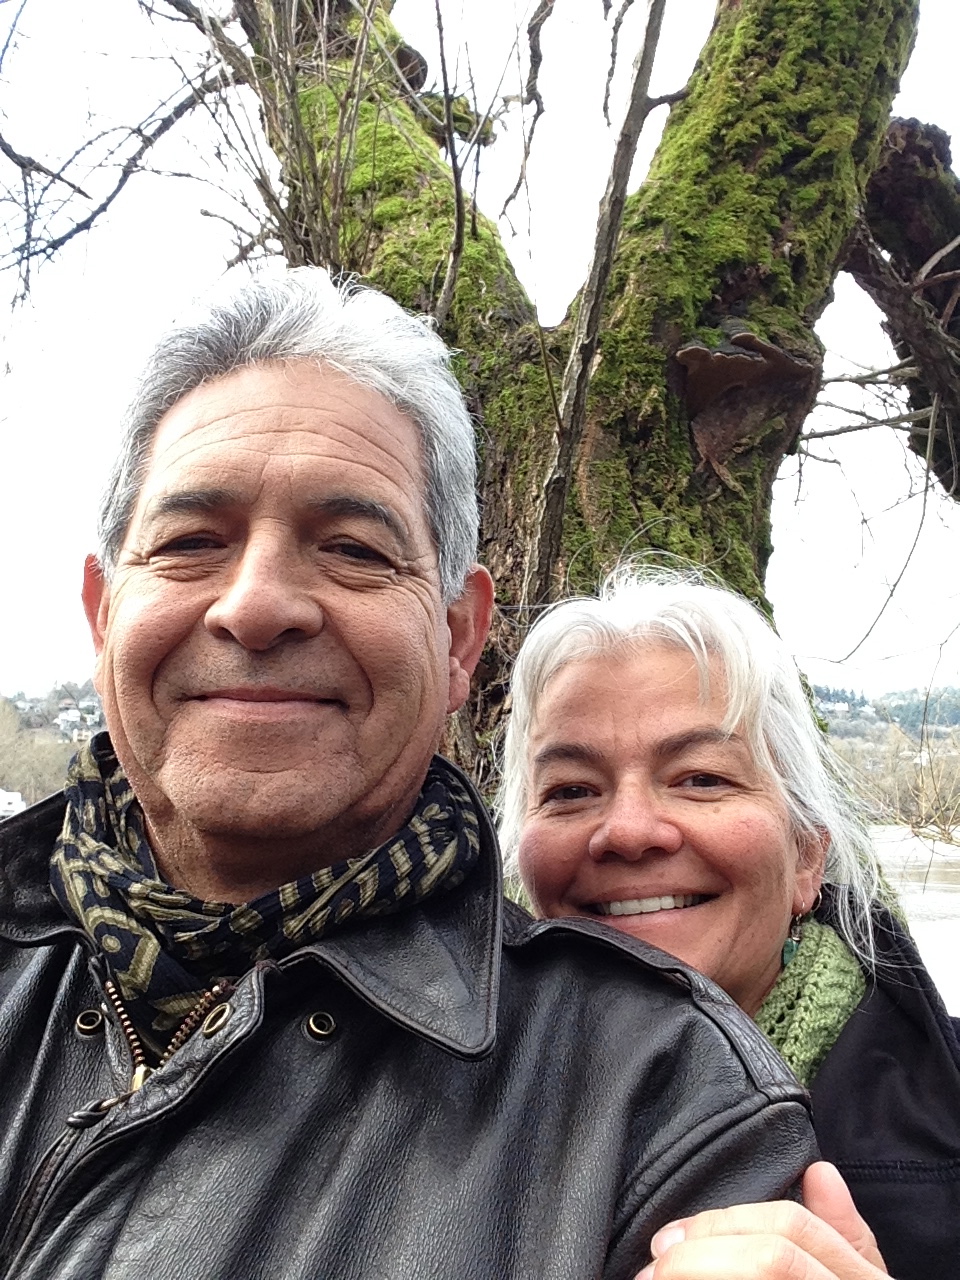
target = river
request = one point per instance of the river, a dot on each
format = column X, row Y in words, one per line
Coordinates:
column 926, row 875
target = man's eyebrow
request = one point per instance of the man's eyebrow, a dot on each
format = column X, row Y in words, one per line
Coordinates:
column 194, row 501
column 360, row 509
column 206, row 501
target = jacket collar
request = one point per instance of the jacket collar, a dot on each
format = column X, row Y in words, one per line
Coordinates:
column 29, row 914
column 433, row 968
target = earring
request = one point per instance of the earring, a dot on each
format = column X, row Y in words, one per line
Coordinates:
column 793, row 937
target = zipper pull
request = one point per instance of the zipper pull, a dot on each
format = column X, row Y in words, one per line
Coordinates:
column 141, row 1072
column 94, row 1112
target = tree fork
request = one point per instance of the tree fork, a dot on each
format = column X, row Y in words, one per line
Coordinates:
column 706, row 362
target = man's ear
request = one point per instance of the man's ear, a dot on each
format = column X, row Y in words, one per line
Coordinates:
column 96, row 601
column 468, row 620
column 812, row 851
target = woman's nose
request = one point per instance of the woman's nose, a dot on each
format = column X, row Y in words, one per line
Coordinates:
column 636, row 822
column 266, row 600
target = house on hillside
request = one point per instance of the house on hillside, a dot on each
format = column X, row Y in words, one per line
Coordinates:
column 11, row 802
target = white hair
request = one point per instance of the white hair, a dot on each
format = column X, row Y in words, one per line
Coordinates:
column 641, row 605
column 303, row 315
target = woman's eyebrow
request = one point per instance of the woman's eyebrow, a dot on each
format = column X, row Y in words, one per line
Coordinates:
column 674, row 745
column 567, row 752
column 677, row 743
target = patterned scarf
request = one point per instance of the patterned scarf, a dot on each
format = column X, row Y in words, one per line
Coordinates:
column 812, row 999
column 164, row 947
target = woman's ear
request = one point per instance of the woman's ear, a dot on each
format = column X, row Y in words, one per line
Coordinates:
column 812, row 848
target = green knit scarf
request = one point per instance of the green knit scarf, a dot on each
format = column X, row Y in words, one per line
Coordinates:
column 812, row 999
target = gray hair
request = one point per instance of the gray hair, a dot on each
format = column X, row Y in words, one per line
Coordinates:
column 687, row 609
column 361, row 333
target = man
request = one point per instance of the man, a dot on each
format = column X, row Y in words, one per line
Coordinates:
column 264, row 1013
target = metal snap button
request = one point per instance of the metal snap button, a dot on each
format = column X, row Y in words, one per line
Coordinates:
column 89, row 1022
column 216, row 1019
column 320, row 1026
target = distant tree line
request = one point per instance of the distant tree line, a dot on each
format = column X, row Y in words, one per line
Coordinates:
column 912, row 710
column 824, row 694
column 918, row 709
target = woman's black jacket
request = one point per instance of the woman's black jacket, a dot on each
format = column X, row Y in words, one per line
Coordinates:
column 886, row 1105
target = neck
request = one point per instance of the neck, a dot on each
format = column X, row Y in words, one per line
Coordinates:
column 236, row 868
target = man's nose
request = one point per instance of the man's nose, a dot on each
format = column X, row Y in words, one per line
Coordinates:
column 636, row 821
column 267, row 599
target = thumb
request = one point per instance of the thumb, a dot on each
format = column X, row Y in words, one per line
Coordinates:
column 826, row 1194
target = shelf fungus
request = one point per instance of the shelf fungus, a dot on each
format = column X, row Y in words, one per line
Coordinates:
column 741, row 394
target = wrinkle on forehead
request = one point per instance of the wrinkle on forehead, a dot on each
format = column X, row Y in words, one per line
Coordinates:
column 279, row 414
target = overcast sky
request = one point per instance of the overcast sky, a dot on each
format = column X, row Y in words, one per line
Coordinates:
column 842, row 532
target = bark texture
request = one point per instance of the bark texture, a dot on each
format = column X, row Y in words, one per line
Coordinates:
column 707, row 363
column 907, row 257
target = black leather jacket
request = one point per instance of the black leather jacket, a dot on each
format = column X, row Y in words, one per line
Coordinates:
column 496, row 1099
column 886, row 1104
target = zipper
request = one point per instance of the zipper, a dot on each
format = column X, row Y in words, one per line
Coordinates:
column 141, row 1069
column 31, row 1201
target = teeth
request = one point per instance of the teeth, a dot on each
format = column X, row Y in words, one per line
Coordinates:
column 643, row 906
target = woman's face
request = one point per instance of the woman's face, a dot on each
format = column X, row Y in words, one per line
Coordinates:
column 644, row 813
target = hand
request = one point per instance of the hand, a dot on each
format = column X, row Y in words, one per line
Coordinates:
column 825, row 1239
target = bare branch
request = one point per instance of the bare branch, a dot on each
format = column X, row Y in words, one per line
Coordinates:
column 667, row 99
column 12, row 32
column 937, row 257
column 913, row 546
column 532, row 92
column 930, row 281
column 882, row 377
column 919, row 332
column 46, row 248
column 576, row 376
column 28, row 165
column 456, row 249
column 241, row 68
column 614, row 43
column 903, row 421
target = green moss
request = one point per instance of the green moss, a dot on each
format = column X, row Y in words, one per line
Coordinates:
column 741, row 221
column 465, row 120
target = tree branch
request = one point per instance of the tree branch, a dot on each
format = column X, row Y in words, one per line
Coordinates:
column 937, row 257
column 918, row 331
column 456, row 249
column 614, row 44
column 47, row 248
column 531, row 92
column 576, row 376
column 241, row 68
column 28, row 165
column 921, row 415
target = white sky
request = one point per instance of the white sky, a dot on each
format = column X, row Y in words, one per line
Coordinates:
column 842, row 536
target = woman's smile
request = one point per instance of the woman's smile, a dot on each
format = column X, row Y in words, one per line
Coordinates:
column 647, row 809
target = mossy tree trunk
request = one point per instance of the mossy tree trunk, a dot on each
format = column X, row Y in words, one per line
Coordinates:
column 707, row 362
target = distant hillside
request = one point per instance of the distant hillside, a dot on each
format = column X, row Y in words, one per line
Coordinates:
column 912, row 710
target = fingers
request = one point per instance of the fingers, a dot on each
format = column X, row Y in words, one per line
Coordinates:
column 754, row 1257
column 826, row 1195
column 777, row 1241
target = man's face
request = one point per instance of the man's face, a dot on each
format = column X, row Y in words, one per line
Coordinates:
column 274, row 656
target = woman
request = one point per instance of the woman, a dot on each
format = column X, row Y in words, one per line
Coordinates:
column 663, row 772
